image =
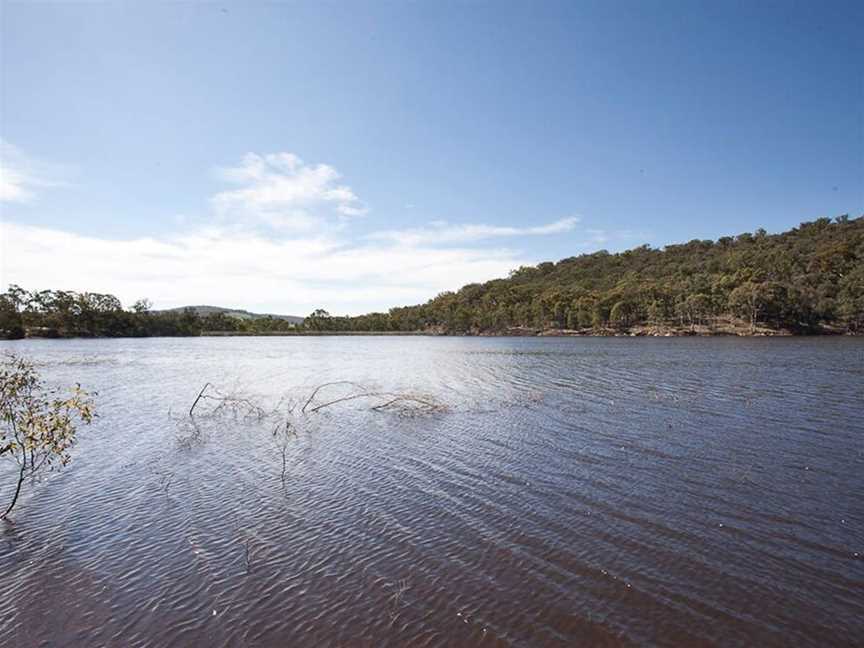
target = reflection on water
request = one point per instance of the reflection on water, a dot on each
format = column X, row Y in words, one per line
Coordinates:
column 574, row 492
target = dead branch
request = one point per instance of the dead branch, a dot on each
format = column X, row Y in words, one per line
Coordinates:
column 393, row 397
column 395, row 600
column 187, row 439
column 322, row 386
column 200, row 394
column 409, row 399
column 240, row 405
column 348, row 398
column 233, row 403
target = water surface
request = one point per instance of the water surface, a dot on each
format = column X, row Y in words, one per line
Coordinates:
column 596, row 492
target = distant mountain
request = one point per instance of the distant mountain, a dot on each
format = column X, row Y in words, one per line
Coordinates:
column 238, row 313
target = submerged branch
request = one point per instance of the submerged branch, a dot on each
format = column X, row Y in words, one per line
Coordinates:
column 410, row 399
column 200, row 394
column 322, row 386
column 285, row 422
column 318, row 408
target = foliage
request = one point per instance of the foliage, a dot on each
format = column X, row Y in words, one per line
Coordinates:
column 37, row 424
column 61, row 313
column 809, row 279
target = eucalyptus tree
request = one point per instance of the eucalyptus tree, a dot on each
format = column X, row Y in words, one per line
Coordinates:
column 38, row 424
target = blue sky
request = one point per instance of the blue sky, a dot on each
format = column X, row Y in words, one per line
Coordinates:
column 356, row 156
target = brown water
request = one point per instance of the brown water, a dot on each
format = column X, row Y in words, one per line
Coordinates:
column 576, row 492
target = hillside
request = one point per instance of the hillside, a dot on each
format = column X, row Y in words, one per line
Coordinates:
column 237, row 313
column 807, row 280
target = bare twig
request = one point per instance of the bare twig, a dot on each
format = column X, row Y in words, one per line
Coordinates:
column 187, row 441
column 396, row 599
column 200, row 394
column 409, row 399
column 322, row 386
column 393, row 399
column 287, row 432
column 248, row 407
column 233, row 402
column 348, row 398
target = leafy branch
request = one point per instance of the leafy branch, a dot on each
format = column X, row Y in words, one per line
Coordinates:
column 37, row 424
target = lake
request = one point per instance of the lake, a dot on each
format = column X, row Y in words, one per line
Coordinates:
column 561, row 492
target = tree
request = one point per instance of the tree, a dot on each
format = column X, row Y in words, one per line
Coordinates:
column 850, row 300
column 657, row 311
column 696, row 308
column 142, row 306
column 755, row 301
column 11, row 326
column 621, row 314
column 37, row 424
column 319, row 320
column 746, row 301
column 18, row 297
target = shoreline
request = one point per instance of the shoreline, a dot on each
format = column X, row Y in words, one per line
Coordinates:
column 543, row 333
column 656, row 332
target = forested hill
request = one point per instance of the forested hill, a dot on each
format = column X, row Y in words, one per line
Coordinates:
column 807, row 280
column 238, row 313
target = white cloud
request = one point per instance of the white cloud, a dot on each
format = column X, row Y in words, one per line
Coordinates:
column 300, row 260
column 439, row 232
column 20, row 176
column 281, row 191
column 230, row 268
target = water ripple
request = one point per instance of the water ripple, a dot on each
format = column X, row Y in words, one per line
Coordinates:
column 577, row 492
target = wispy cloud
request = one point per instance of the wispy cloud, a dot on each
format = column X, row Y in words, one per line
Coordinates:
column 281, row 191
column 228, row 267
column 439, row 232
column 20, row 176
column 278, row 244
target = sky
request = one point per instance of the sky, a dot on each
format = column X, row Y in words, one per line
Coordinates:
column 356, row 156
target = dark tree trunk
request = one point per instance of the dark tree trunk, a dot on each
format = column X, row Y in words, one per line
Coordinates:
column 17, row 488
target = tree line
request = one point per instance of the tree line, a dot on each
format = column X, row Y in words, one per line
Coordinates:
column 64, row 313
column 807, row 280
